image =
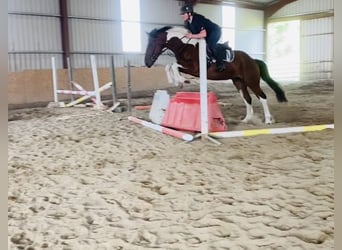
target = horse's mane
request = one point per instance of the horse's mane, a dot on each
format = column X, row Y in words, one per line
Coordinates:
column 173, row 31
column 179, row 29
column 154, row 33
column 180, row 32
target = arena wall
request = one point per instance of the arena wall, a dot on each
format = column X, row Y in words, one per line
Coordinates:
column 33, row 88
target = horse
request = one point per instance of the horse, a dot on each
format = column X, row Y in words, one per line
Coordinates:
column 243, row 70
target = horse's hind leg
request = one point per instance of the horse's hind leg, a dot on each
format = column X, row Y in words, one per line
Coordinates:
column 242, row 88
column 263, row 99
column 268, row 117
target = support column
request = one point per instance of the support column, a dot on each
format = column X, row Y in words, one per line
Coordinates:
column 64, row 31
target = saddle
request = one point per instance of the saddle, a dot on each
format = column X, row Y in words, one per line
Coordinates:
column 222, row 53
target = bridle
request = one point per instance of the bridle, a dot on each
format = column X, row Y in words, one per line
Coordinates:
column 154, row 56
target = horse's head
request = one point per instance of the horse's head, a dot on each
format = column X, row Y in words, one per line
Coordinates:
column 157, row 39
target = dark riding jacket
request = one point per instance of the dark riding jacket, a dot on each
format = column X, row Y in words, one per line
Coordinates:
column 199, row 23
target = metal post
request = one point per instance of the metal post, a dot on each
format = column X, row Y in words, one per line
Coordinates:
column 129, row 101
column 114, row 94
column 70, row 77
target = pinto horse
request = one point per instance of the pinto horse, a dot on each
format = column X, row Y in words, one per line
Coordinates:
column 244, row 71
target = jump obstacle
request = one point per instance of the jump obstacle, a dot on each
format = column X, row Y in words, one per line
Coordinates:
column 81, row 91
column 203, row 105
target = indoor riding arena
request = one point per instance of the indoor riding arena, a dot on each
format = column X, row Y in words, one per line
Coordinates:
column 98, row 160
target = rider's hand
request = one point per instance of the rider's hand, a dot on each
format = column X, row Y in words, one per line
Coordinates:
column 189, row 35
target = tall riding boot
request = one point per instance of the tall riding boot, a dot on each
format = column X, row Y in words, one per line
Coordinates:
column 220, row 65
column 220, row 56
column 210, row 56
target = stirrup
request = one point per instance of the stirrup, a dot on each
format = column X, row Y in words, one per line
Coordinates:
column 209, row 61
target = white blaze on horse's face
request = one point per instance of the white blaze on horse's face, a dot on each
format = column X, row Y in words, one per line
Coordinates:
column 180, row 33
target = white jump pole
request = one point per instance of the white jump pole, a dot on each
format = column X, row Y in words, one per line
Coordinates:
column 76, row 92
column 96, row 81
column 203, row 88
column 204, row 92
column 54, row 80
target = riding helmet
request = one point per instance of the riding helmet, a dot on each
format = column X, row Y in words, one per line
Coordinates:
column 187, row 9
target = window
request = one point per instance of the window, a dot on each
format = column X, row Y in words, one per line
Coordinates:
column 130, row 25
column 283, row 50
column 228, row 25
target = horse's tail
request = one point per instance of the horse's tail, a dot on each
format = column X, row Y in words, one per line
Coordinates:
column 268, row 79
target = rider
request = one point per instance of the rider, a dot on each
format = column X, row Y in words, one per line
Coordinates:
column 202, row 27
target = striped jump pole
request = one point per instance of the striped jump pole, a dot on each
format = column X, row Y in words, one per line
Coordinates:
column 86, row 97
column 253, row 132
column 164, row 130
column 75, row 92
column 80, row 88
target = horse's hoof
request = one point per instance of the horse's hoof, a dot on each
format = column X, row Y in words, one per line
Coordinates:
column 269, row 121
column 247, row 119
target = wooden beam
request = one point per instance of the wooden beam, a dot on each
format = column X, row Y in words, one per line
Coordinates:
column 275, row 6
column 236, row 3
column 301, row 17
column 64, row 31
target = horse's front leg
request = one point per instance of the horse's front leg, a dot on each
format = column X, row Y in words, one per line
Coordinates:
column 178, row 79
column 169, row 75
column 242, row 88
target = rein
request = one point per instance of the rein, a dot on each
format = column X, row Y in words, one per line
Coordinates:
column 181, row 50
